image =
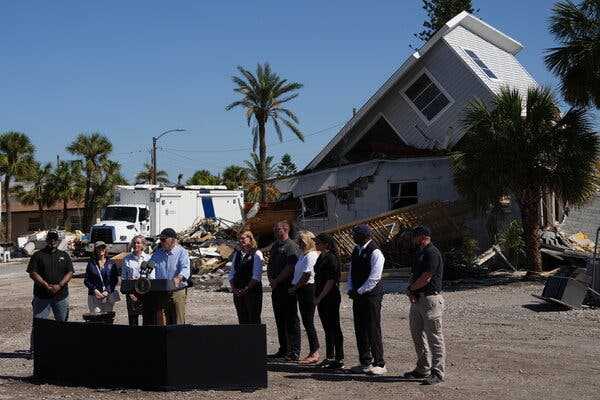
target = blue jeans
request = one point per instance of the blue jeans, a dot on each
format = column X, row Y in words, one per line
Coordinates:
column 60, row 308
column 41, row 309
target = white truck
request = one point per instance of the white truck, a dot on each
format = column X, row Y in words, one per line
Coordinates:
column 148, row 209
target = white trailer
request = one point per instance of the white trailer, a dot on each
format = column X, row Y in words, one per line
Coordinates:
column 148, row 209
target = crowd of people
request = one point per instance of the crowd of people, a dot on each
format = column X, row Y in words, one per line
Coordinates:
column 304, row 276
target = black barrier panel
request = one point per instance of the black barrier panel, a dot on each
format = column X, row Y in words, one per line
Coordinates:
column 150, row 357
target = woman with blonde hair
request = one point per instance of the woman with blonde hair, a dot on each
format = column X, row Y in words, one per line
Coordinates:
column 245, row 275
column 131, row 270
column 303, row 286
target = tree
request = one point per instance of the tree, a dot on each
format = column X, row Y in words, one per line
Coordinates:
column 94, row 148
column 16, row 161
column 234, row 177
column 39, row 191
column 68, row 184
column 577, row 60
column 256, row 178
column 526, row 153
column 438, row 13
column 145, row 175
column 104, row 184
column 262, row 97
column 286, row 166
column 204, row 177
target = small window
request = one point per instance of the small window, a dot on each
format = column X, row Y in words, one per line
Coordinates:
column 315, row 207
column 427, row 97
column 403, row 194
column 486, row 70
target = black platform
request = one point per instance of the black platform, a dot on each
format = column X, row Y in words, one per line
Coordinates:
column 172, row 357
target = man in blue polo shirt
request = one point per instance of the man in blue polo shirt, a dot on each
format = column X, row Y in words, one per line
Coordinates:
column 172, row 262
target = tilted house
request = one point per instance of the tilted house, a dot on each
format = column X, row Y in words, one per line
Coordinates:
column 393, row 152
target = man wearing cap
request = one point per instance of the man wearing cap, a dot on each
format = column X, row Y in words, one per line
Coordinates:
column 366, row 291
column 171, row 262
column 51, row 270
column 426, row 308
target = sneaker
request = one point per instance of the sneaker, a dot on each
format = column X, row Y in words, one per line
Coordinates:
column 361, row 369
column 279, row 354
column 325, row 363
column 434, row 379
column 415, row 375
column 377, row 371
column 335, row 364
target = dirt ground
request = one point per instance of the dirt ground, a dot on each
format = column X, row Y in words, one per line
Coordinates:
column 497, row 349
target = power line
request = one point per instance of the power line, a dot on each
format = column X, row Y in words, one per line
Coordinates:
column 246, row 148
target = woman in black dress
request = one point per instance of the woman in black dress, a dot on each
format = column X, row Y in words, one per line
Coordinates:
column 327, row 298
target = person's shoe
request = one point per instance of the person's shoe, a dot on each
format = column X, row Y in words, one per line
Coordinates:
column 335, row 364
column 325, row 363
column 434, row 379
column 311, row 359
column 415, row 375
column 274, row 356
column 361, row 369
column 377, row 371
column 292, row 358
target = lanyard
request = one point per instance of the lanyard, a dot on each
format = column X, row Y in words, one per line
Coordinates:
column 100, row 273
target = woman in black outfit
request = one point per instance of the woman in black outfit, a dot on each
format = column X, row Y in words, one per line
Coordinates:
column 327, row 298
column 245, row 279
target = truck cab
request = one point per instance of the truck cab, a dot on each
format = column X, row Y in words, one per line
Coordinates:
column 119, row 224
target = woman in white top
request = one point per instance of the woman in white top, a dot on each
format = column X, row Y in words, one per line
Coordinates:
column 245, row 276
column 131, row 270
column 303, row 286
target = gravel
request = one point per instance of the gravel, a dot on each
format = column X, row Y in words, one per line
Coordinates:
column 497, row 349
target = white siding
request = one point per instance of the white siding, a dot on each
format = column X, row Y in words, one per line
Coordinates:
column 504, row 65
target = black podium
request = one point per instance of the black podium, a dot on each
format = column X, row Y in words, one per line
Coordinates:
column 174, row 357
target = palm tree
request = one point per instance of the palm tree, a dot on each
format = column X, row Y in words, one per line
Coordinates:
column 108, row 177
column 526, row 153
column 146, row 175
column 234, row 177
column 39, row 192
column 255, row 179
column 94, row 148
column 204, row 177
column 68, row 184
column 577, row 60
column 16, row 162
column 262, row 98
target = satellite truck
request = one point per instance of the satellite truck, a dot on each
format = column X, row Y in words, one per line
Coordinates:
column 148, row 209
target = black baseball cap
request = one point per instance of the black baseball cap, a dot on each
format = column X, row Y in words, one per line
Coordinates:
column 52, row 235
column 422, row 230
column 168, row 233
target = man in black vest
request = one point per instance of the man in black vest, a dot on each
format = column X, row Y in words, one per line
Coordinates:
column 366, row 290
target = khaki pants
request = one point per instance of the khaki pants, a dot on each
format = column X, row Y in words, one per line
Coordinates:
column 172, row 306
column 425, row 318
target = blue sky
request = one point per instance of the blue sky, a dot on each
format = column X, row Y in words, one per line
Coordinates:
column 131, row 69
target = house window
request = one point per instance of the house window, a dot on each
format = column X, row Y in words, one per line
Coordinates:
column 486, row 70
column 34, row 224
column 427, row 97
column 403, row 194
column 315, row 207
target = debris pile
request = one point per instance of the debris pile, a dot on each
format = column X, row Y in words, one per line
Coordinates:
column 29, row 244
column 210, row 243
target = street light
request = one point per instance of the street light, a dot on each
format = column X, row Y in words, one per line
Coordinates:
column 154, row 140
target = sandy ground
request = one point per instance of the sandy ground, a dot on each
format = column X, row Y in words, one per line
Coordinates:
column 497, row 349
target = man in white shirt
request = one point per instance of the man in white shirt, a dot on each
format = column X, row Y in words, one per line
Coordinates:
column 366, row 290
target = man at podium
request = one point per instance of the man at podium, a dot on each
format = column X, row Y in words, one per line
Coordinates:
column 171, row 261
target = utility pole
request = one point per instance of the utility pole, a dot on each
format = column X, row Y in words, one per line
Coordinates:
column 154, row 140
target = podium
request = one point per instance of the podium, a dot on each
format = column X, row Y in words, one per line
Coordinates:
column 155, row 293
column 174, row 357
